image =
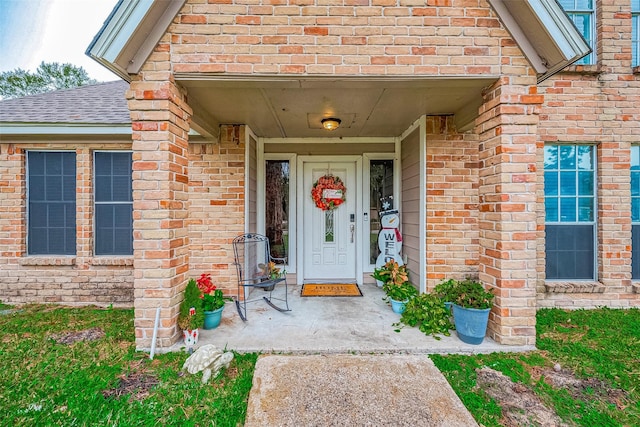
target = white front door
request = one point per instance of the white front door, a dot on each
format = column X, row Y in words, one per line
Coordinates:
column 329, row 235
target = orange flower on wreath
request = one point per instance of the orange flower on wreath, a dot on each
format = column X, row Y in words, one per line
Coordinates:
column 328, row 182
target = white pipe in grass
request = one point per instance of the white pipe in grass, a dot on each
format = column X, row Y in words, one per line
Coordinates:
column 155, row 334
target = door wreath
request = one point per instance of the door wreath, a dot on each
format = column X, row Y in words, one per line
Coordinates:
column 328, row 192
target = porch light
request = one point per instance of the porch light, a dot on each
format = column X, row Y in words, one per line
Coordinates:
column 330, row 123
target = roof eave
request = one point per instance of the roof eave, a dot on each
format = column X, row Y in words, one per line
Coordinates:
column 130, row 33
column 7, row 129
column 543, row 31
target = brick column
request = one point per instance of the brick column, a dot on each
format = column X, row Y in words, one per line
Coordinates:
column 507, row 206
column 160, row 120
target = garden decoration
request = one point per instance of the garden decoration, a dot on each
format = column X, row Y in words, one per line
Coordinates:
column 191, row 316
column 209, row 359
column 389, row 238
column 328, row 192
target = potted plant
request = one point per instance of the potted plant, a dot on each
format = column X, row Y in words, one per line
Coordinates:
column 447, row 292
column 213, row 301
column 471, row 306
column 191, row 316
column 271, row 272
column 399, row 295
column 396, row 285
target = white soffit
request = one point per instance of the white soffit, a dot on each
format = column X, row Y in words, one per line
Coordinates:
column 131, row 32
column 544, row 33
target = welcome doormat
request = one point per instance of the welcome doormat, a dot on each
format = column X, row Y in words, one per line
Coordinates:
column 330, row 290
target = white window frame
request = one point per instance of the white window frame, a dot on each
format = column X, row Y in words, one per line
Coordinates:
column 592, row 42
column 635, row 24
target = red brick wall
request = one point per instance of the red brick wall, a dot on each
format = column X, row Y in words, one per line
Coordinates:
column 160, row 121
column 377, row 37
column 216, row 206
column 452, row 202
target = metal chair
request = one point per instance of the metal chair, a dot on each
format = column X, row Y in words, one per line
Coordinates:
column 252, row 257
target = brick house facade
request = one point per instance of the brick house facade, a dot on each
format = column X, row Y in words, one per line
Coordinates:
column 469, row 152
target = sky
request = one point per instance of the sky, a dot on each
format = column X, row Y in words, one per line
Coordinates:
column 33, row 31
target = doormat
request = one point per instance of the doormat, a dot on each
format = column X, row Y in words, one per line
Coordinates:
column 330, row 290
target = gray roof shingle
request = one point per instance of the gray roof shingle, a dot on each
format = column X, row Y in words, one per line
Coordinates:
column 102, row 103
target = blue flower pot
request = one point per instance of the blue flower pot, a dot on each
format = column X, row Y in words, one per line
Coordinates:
column 212, row 318
column 447, row 306
column 398, row 306
column 471, row 323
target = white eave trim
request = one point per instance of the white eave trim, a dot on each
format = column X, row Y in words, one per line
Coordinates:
column 544, row 33
column 63, row 129
column 131, row 32
column 39, row 129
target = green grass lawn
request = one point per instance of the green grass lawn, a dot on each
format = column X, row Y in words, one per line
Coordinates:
column 598, row 350
column 104, row 381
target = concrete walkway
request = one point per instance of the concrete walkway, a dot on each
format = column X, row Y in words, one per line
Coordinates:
column 352, row 390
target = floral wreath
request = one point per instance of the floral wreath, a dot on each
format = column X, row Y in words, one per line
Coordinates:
column 328, row 182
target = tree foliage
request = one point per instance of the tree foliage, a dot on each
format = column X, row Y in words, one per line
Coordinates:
column 49, row 76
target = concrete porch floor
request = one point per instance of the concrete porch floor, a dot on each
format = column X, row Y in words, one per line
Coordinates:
column 331, row 325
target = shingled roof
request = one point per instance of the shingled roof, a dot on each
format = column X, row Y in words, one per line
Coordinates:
column 102, row 103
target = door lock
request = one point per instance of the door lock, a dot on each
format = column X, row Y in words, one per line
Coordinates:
column 353, row 232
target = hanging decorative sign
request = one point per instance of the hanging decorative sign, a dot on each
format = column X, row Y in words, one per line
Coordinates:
column 389, row 238
column 328, row 192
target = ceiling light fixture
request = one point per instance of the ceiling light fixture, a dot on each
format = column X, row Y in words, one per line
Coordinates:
column 330, row 123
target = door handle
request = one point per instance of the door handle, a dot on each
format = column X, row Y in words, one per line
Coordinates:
column 353, row 231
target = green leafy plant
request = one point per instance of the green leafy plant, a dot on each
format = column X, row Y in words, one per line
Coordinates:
column 471, row 294
column 402, row 292
column 212, row 297
column 395, row 281
column 191, row 313
column 427, row 312
column 446, row 290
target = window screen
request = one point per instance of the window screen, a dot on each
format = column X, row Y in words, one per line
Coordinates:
column 113, row 204
column 51, row 204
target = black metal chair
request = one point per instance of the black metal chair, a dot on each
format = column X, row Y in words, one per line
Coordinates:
column 252, row 258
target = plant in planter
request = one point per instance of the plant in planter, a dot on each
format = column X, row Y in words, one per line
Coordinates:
column 213, row 300
column 396, row 285
column 447, row 292
column 427, row 312
column 391, row 272
column 402, row 292
column 271, row 272
column 471, row 306
column 191, row 316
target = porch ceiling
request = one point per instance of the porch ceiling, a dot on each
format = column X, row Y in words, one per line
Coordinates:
column 281, row 107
